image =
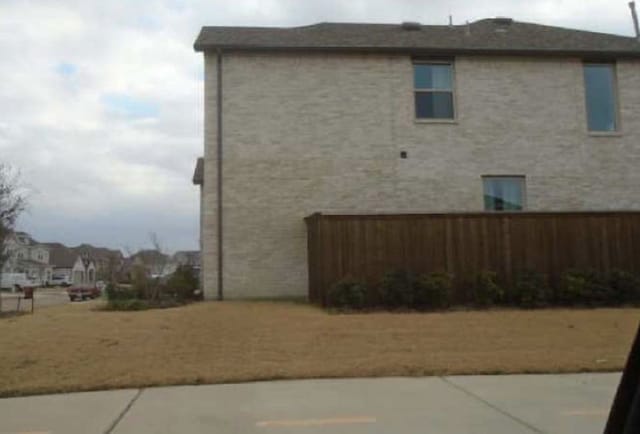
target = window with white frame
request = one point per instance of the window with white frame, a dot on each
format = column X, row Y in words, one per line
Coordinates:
column 504, row 193
column 433, row 90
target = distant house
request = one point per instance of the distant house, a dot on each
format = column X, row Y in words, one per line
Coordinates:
column 84, row 264
column 62, row 259
column 29, row 257
column 106, row 260
column 83, row 272
column 155, row 263
column 187, row 257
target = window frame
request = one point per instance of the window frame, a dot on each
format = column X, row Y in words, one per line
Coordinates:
column 616, row 98
column 416, row 90
column 523, row 188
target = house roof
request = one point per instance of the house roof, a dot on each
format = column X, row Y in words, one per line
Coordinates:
column 97, row 253
column 187, row 257
column 149, row 256
column 198, row 173
column 61, row 256
column 487, row 36
column 26, row 239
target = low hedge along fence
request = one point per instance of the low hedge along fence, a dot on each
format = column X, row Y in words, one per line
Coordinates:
column 401, row 289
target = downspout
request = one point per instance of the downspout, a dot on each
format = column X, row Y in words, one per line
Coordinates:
column 219, row 171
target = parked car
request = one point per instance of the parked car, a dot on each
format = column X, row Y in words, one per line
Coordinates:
column 59, row 281
column 13, row 280
column 81, row 294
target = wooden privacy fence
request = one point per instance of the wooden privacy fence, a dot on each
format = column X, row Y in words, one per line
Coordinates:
column 365, row 247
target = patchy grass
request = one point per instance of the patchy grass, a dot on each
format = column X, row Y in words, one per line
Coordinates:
column 74, row 347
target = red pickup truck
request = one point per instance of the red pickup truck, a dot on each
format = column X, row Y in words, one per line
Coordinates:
column 78, row 293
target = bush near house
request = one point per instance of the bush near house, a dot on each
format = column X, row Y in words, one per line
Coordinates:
column 348, row 294
column 625, row 286
column 531, row 290
column 486, row 290
column 433, row 291
column 584, row 287
column 152, row 293
column 401, row 289
column 397, row 289
column 183, row 283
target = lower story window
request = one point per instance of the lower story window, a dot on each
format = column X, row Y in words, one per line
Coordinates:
column 504, row 193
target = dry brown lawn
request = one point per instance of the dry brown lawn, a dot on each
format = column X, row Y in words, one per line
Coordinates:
column 72, row 347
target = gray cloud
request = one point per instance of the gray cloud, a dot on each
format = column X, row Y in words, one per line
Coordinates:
column 101, row 102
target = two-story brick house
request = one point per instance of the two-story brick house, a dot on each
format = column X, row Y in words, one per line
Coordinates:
column 494, row 115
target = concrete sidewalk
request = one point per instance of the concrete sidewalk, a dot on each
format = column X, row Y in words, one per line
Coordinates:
column 487, row 404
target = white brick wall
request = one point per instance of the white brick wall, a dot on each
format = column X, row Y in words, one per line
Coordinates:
column 324, row 132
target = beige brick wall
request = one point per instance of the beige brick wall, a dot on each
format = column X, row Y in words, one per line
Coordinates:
column 307, row 133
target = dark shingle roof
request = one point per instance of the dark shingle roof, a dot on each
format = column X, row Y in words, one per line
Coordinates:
column 61, row 256
column 488, row 36
column 198, row 173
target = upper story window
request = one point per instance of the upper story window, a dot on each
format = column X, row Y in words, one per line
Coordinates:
column 600, row 91
column 504, row 193
column 433, row 88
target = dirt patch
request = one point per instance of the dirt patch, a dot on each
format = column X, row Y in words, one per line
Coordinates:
column 73, row 347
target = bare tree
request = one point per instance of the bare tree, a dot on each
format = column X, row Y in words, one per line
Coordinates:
column 12, row 203
column 158, row 264
column 148, row 269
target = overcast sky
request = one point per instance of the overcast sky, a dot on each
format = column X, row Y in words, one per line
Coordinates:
column 101, row 101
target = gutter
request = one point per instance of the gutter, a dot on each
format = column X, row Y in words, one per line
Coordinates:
column 219, row 174
column 425, row 51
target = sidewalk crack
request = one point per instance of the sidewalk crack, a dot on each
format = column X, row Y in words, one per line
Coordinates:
column 124, row 412
column 492, row 406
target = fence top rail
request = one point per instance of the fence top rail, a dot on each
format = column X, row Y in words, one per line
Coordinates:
column 489, row 214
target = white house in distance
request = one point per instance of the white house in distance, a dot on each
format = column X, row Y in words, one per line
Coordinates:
column 75, row 269
column 495, row 115
column 27, row 257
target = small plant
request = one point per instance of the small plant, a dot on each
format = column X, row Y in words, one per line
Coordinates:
column 396, row 289
column 584, row 287
column 486, row 290
column 183, row 283
column 531, row 290
column 433, row 291
column 347, row 294
column 625, row 286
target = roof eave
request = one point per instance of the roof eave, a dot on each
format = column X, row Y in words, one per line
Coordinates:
column 416, row 51
column 198, row 173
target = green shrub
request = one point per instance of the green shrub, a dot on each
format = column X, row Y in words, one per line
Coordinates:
column 584, row 287
column 347, row 293
column 114, row 292
column 127, row 305
column 433, row 291
column 486, row 290
column 396, row 289
column 530, row 290
column 625, row 286
column 183, row 283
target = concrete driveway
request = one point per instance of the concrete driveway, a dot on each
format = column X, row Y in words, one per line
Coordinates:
column 489, row 404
